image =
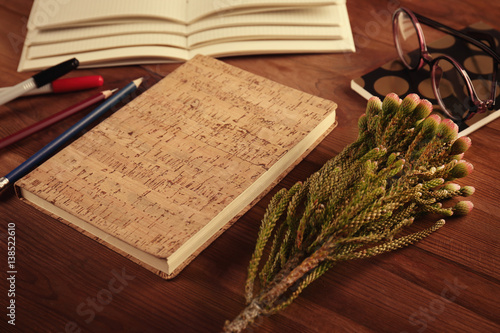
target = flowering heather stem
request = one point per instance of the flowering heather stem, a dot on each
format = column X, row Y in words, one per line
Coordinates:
column 398, row 169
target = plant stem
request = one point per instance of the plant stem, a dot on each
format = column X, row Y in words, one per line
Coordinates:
column 245, row 318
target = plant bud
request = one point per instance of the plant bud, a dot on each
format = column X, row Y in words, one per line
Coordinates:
column 390, row 104
column 409, row 104
column 461, row 145
column 430, row 124
column 451, row 187
column 373, row 107
column 433, row 183
column 467, row 191
column 462, row 169
column 457, row 157
column 396, row 167
column 423, row 109
column 392, row 158
column 363, row 123
column 462, row 208
column 447, row 130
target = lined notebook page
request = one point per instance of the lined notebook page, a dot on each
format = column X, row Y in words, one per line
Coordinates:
column 106, row 43
column 116, row 57
column 320, row 16
column 45, row 15
column 272, row 46
column 197, row 9
column 263, row 32
column 234, row 48
column 38, row 37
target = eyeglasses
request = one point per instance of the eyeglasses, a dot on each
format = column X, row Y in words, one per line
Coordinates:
column 451, row 84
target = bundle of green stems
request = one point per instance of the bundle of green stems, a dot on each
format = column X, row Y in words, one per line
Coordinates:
column 359, row 203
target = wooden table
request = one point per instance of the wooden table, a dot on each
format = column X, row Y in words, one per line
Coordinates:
column 449, row 282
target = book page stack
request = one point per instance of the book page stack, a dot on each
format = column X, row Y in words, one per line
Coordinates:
column 101, row 33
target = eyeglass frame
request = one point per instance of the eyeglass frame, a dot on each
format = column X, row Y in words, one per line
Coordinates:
column 477, row 105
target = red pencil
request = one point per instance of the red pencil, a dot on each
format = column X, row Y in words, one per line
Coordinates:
column 54, row 119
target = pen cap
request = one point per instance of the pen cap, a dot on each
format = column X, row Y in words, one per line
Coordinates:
column 77, row 83
column 55, row 72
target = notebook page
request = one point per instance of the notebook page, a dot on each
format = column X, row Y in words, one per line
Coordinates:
column 76, row 48
column 113, row 57
column 234, row 48
column 51, row 14
column 39, row 37
column 273, row 47
column 263, row 32
column 315, row 16
column 197, row 9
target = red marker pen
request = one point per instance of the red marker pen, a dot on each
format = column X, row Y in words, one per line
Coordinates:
column 66, row 85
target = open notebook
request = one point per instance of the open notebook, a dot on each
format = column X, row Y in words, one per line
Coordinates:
column 101, row 33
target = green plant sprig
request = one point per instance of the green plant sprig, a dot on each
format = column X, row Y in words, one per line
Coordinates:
column 400, row 167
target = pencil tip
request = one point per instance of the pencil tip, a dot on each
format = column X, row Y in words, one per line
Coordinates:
column 4, row 183
column 108, row 93
column 138, row 82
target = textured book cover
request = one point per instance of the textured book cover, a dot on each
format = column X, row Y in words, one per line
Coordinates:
column 394, row 77
column 159, row 179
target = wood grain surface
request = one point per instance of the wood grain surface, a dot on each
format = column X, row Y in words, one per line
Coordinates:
column 66, row 282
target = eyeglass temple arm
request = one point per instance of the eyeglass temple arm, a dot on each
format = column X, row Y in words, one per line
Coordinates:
column 484, row 37
column 459, row 34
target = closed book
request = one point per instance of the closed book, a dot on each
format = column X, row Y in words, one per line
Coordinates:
column 162, row 177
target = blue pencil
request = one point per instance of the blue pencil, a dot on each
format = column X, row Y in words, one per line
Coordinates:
column 52, row 147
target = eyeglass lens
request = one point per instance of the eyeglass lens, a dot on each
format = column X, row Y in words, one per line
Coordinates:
column 407, row 41
column 451, row 89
